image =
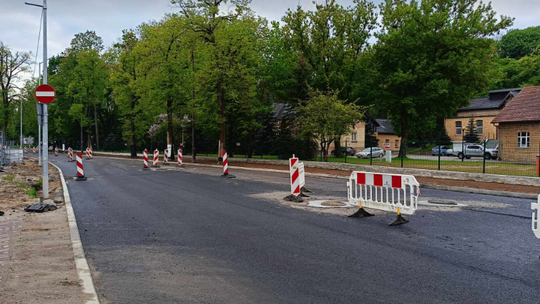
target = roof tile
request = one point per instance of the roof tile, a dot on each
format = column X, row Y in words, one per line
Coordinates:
column 524, row 107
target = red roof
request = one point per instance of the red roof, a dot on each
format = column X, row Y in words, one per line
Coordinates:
column 524, row 107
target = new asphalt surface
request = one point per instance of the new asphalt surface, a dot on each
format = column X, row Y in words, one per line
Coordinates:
column 192, row 237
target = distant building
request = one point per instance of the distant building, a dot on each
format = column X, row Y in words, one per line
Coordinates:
column 518, row 125
column 483, row 111
column 387, row 138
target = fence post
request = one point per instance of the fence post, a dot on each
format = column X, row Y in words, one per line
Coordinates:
column 439, row 157
column 484, row 158
column 371, row 155
column 401, row 152
column 346, row 151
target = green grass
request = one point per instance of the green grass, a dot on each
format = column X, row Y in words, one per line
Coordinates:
column 8, row 177
column 449, row 165
column 32, row 193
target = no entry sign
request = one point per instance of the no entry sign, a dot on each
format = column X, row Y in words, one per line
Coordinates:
column 45, row 93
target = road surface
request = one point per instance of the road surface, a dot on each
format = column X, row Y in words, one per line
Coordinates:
column 192, row 237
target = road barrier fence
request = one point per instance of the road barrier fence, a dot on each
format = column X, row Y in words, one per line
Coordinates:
column 387, row 192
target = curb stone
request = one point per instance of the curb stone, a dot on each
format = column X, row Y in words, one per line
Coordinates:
column 425, row 186
column 83, row 270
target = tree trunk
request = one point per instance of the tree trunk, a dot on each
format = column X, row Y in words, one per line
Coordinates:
column 170, row 131
column 193, row 154
column 132, row 139
column 96, row 124
column 404, row 132
column 221, row 103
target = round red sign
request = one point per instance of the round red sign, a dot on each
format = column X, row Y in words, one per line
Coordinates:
column 45, row 93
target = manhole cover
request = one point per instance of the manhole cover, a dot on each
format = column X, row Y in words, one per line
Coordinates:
column 328, row 204
column 333, row 204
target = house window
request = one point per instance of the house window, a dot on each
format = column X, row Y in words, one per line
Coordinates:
column 397, row 143
column 387, row 141
column 524, row 140
column 479, row 127
column 353, row 137
column 458, row 127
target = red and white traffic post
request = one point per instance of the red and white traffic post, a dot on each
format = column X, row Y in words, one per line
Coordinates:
column 180, row 158
column 87, row 152
column 25, row 150
column 70, row 154
column 34, row 150
column 56, row 152
column 166, row 157
column 156, row 158
column 91, row 153
column 145, row 160
column 80, row 169
column 294, row 180
column 226, row 166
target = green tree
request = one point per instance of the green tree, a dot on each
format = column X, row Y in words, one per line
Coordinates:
column 470, row 132
column 431, row 56
column 12, row 66
column 325, row 117
column 519, row 43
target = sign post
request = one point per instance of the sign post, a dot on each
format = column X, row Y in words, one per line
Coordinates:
column 45, row 94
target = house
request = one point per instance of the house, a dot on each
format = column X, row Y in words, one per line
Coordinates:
column 483, row 111
column 518, row 125
column 383, row 131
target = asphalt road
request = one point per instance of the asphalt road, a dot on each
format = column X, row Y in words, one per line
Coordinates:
column 192, row 237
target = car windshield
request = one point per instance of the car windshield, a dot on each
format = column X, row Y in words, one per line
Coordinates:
column 367, row 149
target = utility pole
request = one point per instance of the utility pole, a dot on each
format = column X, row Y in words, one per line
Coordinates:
column 40, row 119
column 20, row 110
column 45, row 176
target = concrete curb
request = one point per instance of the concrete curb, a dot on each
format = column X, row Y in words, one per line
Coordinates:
column 83, row 270
column 425, row 186
column 453, row 175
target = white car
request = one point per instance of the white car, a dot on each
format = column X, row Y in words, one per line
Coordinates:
column 375, row 151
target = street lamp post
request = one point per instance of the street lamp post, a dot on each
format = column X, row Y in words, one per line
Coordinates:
column 45, row 177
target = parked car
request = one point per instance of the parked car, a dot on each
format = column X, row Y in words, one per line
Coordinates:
column 473, row 150
column 376, row 152
column 345, row 150
column 435, row 150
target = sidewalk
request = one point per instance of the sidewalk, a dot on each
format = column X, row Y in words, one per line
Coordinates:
column 36, row 256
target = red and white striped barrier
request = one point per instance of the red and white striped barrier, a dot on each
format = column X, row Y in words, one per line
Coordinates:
column 91, row 153
column 180, row 157
column 87, row 152
column 294, row 176
column 25, row 150
column 387, row 192
column 145, row 160
column 70, row 154
column 34, row 150
column 156, row 158
column 226, row 166
column 80, row 169
column 166, row 157
column 56, row 152
column 536, row 217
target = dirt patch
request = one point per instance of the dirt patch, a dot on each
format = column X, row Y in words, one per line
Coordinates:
column 421, row 180
column 20, row 185
column 40, row 267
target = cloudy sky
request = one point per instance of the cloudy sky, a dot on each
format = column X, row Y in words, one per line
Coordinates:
column 19, row 23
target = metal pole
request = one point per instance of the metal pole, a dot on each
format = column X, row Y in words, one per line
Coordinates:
column 346, row 144
column 484, row 157
column 439, row 157
column 21, row 109
column 371, row 154
column 40, row 79
column 45, row 114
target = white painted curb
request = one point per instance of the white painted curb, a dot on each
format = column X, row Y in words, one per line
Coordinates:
column 83, row 270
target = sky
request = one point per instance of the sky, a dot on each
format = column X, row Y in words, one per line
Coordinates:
column 19, row 23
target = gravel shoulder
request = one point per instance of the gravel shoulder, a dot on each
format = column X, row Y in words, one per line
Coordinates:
column 37, row 265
